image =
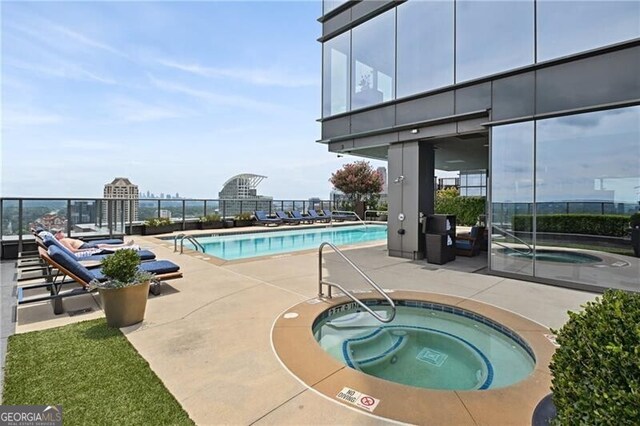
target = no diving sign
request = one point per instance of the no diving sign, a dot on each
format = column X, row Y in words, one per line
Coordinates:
column 358, row 399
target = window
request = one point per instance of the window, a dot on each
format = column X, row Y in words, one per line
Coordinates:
column 335, row 75
column 566, row 27
column 373, row 61
column 493, row 36
column 425, row 46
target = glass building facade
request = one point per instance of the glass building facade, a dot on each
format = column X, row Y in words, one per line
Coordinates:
column 551, row 89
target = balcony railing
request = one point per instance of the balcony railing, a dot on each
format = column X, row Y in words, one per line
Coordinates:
column 81, row 217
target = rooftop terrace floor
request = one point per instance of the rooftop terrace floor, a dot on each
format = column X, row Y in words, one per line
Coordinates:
column 208, row 336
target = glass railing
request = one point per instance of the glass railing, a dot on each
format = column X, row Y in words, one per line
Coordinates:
column 87, row 217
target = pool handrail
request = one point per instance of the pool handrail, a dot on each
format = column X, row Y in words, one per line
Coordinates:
column 512, row 235
column 369, row 281
column 189, row 238
column 350, row 213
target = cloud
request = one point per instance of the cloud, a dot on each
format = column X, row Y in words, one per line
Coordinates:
column 134, row 111
column 61, row 69
column 87, row 41
column 258, row 76
column 14, row 118
column 215, row 98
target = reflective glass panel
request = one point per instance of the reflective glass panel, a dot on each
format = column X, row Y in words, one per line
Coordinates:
column 587, row 186
column 335, row 75
column 373, row 61
column 566, row 27
column 329, row 5
column 512, row 198
column 425, row 46
column 492, row 36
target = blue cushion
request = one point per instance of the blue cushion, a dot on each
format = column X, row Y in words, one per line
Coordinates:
column 52, row 241
column 157, row 267
column 66, row 260
column 144, row 255
column 95, row 243
column 463, row 244
column 474, row 232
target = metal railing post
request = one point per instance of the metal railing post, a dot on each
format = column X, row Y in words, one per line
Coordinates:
column 20, row 226
column 205, row 207
column 130, row 216
column 68, row 227
column 184, row 214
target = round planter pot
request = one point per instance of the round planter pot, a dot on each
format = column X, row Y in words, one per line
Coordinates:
column 124, row 306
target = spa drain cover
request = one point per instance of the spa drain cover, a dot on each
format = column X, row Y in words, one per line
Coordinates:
column 432, row 357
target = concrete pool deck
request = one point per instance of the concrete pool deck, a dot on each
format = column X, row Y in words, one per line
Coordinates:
column 208, row 336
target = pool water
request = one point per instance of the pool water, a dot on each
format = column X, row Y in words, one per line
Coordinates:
column 242, row 246
column 425, row 346
column 558, row 256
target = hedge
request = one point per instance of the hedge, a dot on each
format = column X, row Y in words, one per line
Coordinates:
column 596, row 369
column 466, row 209
column 586, row 224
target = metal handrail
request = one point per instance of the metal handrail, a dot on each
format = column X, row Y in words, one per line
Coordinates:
column 369, row 281
column 348, row 212
column 189, row 238
column 510, row 234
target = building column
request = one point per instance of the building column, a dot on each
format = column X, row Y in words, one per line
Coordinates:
column 411, row 192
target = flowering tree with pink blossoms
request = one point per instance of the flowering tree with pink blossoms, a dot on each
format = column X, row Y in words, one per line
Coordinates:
column 358, row 180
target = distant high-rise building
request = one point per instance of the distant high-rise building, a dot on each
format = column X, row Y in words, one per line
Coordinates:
column 241, row 195
column 122, row 188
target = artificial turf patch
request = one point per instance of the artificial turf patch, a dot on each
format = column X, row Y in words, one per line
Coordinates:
column 93, row 372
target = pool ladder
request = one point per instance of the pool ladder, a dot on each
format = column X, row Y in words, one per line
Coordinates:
column 189, row 238
column 347, row 293
column 348, row 212
column 512, row 235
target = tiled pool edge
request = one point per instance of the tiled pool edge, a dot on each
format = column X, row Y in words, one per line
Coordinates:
column 323, row 374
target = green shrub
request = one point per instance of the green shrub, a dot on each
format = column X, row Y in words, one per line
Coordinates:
column 121, row 268
column 634, row 221
column 585, row 224
column 466, row 209
column 211, row 218
column 243, row 216
column 159, row 221
column 596, row 369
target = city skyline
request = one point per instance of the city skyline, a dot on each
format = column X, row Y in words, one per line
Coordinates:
column 201, row 93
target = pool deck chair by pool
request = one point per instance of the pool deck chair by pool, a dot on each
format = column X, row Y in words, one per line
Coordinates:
column 263, row 219
column 81, row 276
column 471, row 243
column 286, row 219
column 314, row 215
column 303, row 219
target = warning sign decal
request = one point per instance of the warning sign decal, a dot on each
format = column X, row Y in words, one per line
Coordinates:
column 358, row 399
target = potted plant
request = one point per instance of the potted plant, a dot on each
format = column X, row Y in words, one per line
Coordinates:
column 211, row 221
column 383, row 211
column 161, row 225
column 596, row 369
column 124, row 294
column 243, row 219
column 635, row 233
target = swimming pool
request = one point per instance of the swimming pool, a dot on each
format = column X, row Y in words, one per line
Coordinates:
column 427, row 345
column 243, row 246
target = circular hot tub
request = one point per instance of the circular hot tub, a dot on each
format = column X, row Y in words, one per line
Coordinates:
column 427, row 345
column 444, row 358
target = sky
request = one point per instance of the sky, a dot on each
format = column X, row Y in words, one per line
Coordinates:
column 176, row 96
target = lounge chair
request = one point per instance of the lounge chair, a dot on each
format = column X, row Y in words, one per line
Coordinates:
column 314, row 215
column 303, row 219
column 471, row 243
column 39, row 232
column 338, row 216
column 49, row 241
column 67, row 266
column 286, row 219
column 263, row 219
